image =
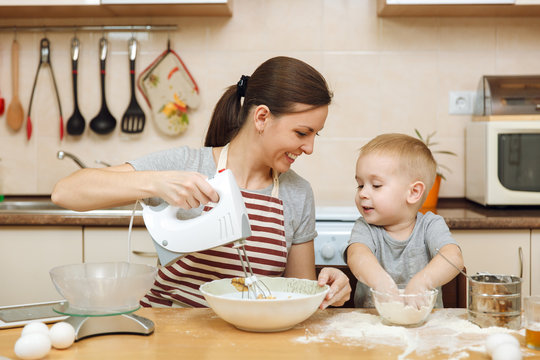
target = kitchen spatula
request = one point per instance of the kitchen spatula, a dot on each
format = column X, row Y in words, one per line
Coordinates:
column 15, row 112
column 134, row 118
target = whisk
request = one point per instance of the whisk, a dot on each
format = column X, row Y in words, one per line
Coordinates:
column 251, row 283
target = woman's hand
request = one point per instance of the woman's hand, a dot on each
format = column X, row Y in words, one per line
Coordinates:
column 340, row 289
column 184, row 189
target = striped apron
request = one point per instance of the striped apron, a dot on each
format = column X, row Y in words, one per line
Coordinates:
column 177, row 285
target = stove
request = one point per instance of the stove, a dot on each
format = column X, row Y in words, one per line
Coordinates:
column 334, row 225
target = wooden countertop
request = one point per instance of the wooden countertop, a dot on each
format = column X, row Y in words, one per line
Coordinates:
column 458, row 213
column 328, row 334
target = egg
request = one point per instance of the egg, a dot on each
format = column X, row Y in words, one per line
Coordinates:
column 495, row 340
column 33, row 346
column 35, row 327
column 62, row 335
column 507, row 351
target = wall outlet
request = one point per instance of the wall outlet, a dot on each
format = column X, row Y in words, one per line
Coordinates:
column 461, row 102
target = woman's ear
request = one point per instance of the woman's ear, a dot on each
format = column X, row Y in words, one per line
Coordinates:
column 416, row 190
column 260, row 116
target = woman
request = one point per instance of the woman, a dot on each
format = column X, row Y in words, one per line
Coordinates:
column 258, row 129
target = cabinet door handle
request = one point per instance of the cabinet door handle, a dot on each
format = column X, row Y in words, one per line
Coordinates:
column 520, row 252
column 144, row 253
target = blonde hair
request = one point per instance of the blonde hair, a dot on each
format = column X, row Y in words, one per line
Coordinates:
column 415, row 158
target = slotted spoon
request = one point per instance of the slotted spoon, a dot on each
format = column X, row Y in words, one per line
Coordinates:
column 134, row 118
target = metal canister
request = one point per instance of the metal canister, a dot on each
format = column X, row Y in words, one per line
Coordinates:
column 495, row 300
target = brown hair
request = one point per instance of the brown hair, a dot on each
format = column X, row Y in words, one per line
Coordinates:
column 415, row 158
column 279, row 83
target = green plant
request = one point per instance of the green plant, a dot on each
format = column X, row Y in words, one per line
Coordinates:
column 428, row 140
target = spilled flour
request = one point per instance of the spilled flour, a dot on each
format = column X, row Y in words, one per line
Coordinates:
column 448, row 331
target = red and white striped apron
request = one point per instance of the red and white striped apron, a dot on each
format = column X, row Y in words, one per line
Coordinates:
column 177, row 285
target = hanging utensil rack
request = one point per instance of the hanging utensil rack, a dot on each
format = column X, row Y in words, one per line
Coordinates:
column 96, row 28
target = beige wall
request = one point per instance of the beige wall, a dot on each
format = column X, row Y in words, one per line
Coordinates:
column 388, row 75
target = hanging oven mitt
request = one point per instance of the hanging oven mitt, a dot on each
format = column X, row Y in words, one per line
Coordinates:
column 170, row 92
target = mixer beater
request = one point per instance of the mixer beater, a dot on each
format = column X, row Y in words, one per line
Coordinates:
column 250, row 282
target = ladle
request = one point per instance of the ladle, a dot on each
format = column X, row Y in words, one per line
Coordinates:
column 104, row 122
column 75, row 124
column 454, row 265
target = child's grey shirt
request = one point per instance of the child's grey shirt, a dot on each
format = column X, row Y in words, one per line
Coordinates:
column 401, row 259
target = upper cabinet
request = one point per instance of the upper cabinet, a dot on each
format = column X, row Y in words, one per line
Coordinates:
column 479, row 8
column 113, row 8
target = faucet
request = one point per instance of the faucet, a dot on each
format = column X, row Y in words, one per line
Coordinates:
column 61, row 154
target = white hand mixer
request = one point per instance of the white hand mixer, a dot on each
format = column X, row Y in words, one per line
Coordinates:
column 226, row 222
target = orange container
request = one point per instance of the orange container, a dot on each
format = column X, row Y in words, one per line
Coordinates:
column 433, row 196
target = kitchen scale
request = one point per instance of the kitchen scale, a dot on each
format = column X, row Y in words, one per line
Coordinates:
column 92, row 323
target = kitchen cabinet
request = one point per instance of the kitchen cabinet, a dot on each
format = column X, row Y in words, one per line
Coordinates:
column 535, row 262
column 448, row 8
column 113, row 8
column 48, row 2
column 27, row 253
column 103, row 244
column 498, row 252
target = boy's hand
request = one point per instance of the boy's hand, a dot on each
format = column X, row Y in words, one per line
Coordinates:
column 417, row 287
column 386, row 285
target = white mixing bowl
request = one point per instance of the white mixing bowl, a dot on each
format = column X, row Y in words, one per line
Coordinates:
column 296, row 300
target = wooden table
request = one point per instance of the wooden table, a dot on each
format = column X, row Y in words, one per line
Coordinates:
column 200, row 334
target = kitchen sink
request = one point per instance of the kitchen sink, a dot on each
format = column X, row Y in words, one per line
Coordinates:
column 44, row 206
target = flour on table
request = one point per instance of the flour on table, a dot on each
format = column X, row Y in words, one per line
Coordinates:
column 447, row 330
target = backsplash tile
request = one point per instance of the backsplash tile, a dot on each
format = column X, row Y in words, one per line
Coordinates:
column 388, row 75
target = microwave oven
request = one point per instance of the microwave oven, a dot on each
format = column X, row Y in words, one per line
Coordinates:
column 502, row 162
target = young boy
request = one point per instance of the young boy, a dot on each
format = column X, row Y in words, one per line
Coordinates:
column 392, row 243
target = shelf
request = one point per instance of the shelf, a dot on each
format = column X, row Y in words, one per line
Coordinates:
column 455, row 10
column 70, row 9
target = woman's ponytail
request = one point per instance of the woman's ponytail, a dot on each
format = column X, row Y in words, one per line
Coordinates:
column 279, row 83
column 225, row 122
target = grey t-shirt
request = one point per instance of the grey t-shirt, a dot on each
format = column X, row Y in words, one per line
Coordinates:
column 401, row 259
column 294, row 191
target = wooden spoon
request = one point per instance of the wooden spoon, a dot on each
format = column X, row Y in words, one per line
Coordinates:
column 15, row 112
